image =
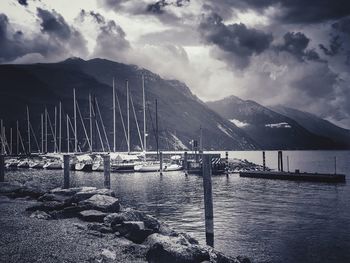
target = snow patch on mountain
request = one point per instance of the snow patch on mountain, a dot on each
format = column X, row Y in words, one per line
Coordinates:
column 239, row 123
column 283, row 125
column 178, row 144
column 224, row 130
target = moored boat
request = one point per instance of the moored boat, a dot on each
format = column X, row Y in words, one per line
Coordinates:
column 23, row 164
column 124, row 162
column 148, row 167
column 11, row 163
column 83, row 163
column 37, row 164
column 55, row 164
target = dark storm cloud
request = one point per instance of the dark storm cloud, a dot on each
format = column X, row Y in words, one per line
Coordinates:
column 158, row 7
column 296, row 43
column 14, row 44
column 334, row 46
column 54, row 24
column 23, row 2
column 234, row 39
column 291, row 11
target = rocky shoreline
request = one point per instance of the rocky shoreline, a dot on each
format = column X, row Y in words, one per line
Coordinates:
column 97, row 214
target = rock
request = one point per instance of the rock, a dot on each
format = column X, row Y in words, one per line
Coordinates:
column 71, row 191
column 7, row 188
column 92, row 215
column 30, row 191
column 79, row 226
column 53, row 197
column 100, row 228
column 243, row 259
column 133, row 230
column 137, row 250
column 47, row 206
column 102, row 203
column 87, row 192
column 40, row 215
column 133, row 215
column 173, row 250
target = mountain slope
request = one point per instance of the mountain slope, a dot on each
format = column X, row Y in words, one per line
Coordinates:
column 180, row 113
column 317, row 125
column 269, row 128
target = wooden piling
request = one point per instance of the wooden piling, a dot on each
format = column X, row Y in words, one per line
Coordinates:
column 280, row 161
column 107, row 171
column 2, row 168
column 66, row 168
column 208, row 200
column 161, row 163
column 264, row 160
column 185, row 163
column 226, row 164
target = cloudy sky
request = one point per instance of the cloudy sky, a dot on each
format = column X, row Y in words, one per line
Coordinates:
column 290, row 52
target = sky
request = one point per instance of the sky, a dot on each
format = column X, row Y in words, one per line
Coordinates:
column 294, row 53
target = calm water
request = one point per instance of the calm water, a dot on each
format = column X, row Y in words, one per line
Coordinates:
column 266, row 220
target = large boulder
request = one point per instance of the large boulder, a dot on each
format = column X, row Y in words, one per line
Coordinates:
column 133, row 230
column 92, row 215
column 174, row 250
column 102, row 203
column 133, row 215
column 87, row 192
column 53, row 197
column 70, row 191
column 47, row 206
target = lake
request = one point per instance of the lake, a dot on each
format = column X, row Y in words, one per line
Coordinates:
column 266, row 220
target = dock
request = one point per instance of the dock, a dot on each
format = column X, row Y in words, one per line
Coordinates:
column 295, row 176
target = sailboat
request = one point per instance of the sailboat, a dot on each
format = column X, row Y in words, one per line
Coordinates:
column 84, row 163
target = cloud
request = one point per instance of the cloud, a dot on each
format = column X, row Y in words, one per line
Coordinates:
column 23, row 2
column 111, row 42
column 290, row 11
column 235, row 42
column 296, row 43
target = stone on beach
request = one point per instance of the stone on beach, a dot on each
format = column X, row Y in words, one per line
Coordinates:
column 87, row 192
column 40, row 215
column 102, row 203
column 47, row 206
column 133, row 230
column 92, row 215
column 173, row 250
column 133, row 215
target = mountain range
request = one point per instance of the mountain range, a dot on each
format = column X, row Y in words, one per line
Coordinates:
column 181, row 115
column 281, row 127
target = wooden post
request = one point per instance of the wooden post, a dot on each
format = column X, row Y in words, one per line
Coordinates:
column 66, row 167
column 185, row 163
column 281, row 158
column 264, row 161
column 226, row 164
column 208, row 199
column 335, row 164
column 161, row 163
column 107, row 171
column 288, row 163
column 2, row 168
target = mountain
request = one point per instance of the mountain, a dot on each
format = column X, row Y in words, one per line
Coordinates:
column 317, row 125
column 269, row 128
column 180, row 113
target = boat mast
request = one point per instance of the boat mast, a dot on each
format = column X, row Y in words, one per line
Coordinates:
column 42, row 132
column 17, row 138
column 55, row 131
column 45, row 129
column 75, row 124
column 114, row 118
column 28, row 130
column 144, row 115
column 68, row 134
column 11, row 140
column 157, row 142
column 2, row 140
column 90, row 120
column 60, row 128
column 128, row 113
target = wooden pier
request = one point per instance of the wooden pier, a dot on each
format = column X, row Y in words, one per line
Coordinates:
column 296, row 176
